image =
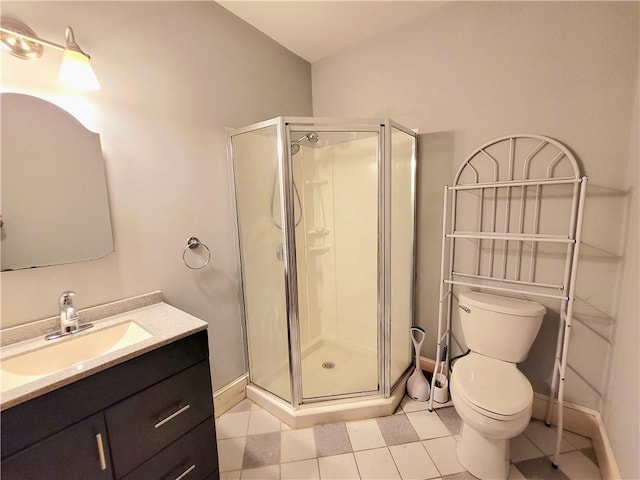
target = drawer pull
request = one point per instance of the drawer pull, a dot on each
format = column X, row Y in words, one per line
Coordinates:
column 172, row 416
column 186, row 472
column 103, row 462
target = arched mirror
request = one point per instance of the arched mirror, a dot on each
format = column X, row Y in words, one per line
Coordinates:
column 54, row 208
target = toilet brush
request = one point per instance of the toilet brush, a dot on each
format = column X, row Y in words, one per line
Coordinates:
column 440, row 384
column 443, row 360
column 417, row 385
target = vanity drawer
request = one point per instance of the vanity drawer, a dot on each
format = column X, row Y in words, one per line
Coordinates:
column 152, row 419
column 192, row 457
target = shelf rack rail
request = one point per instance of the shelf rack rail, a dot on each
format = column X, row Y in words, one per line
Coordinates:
column 540, row 162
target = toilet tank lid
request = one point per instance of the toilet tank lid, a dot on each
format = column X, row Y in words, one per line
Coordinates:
column 500, row 304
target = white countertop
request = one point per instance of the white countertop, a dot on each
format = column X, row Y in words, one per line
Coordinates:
column 165, row 323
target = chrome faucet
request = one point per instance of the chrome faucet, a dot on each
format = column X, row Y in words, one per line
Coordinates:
column 68, row 314
column 69, row 317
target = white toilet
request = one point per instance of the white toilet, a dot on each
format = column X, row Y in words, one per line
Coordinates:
column 490, row 394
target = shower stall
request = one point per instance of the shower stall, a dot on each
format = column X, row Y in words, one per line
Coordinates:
column 326, row 228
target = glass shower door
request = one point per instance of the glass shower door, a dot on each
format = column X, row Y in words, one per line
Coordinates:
column 402, row 200
column 257, row 187
column 336, row 189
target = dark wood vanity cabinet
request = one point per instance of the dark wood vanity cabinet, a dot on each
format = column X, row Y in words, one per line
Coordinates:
column 148, row 418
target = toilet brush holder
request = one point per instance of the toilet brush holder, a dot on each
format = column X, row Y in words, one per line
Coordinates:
column 440, row 389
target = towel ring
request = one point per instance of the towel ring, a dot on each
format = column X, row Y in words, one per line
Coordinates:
column 193, row 243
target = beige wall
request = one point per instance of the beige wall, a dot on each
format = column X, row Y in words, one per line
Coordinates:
column 173, row 75
column 473, row 71
column 621, row 412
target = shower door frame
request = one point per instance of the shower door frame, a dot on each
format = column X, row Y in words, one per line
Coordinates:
column 284, row 127
column 230, row 132
column 390, row 124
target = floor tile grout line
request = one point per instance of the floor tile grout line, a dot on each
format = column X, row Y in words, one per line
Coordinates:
column 355, row 460
column 396, row 463
column 544, row 454
column 431, row 458
column 554, row 429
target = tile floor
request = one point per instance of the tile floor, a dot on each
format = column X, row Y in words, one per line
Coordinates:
column 412, row 444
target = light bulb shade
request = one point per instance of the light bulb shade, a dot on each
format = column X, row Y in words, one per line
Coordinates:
column 76, row 72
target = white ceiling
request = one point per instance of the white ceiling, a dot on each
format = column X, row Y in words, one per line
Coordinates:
column 313, row 29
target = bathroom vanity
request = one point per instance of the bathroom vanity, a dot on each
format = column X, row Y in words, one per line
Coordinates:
column 141, row 412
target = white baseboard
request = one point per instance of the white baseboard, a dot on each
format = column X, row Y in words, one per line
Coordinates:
column 604, row 452
column 577, row 419
column 230, row 395
column 583, row 421
column 428, row 365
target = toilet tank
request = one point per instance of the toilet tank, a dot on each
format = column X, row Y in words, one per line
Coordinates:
column 499, row 327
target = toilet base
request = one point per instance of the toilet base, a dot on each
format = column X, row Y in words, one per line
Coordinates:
column 486, row 458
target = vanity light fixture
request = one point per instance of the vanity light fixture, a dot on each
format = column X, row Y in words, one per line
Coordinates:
column 19, row 40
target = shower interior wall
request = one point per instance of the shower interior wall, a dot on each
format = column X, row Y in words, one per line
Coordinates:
column 337, row 270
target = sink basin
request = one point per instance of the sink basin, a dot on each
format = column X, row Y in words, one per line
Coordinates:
column 69, row 352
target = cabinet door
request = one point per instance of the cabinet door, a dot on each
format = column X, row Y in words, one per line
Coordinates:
column 79, row 452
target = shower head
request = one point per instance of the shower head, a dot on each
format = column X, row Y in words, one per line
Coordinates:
column 311, row 137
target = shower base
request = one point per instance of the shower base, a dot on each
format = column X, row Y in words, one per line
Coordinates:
column 331, row 411
column 328, row 368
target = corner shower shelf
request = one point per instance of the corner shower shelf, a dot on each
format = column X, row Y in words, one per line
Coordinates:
column 318, row 249
column 504, row 211
column 318, row 232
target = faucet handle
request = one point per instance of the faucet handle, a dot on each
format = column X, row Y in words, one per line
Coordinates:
column 66, row 298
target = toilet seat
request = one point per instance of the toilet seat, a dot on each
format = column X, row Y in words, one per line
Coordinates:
column 493, row 388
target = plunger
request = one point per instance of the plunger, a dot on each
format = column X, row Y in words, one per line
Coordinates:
column 417, row 385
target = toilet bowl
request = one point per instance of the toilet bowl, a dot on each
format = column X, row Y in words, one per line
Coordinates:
column 494, row 401
column 492, row 397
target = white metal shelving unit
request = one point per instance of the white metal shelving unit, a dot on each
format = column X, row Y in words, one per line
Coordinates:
column 512, row 224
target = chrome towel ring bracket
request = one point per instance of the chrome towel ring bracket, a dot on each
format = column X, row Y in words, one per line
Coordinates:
column 192, row 244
